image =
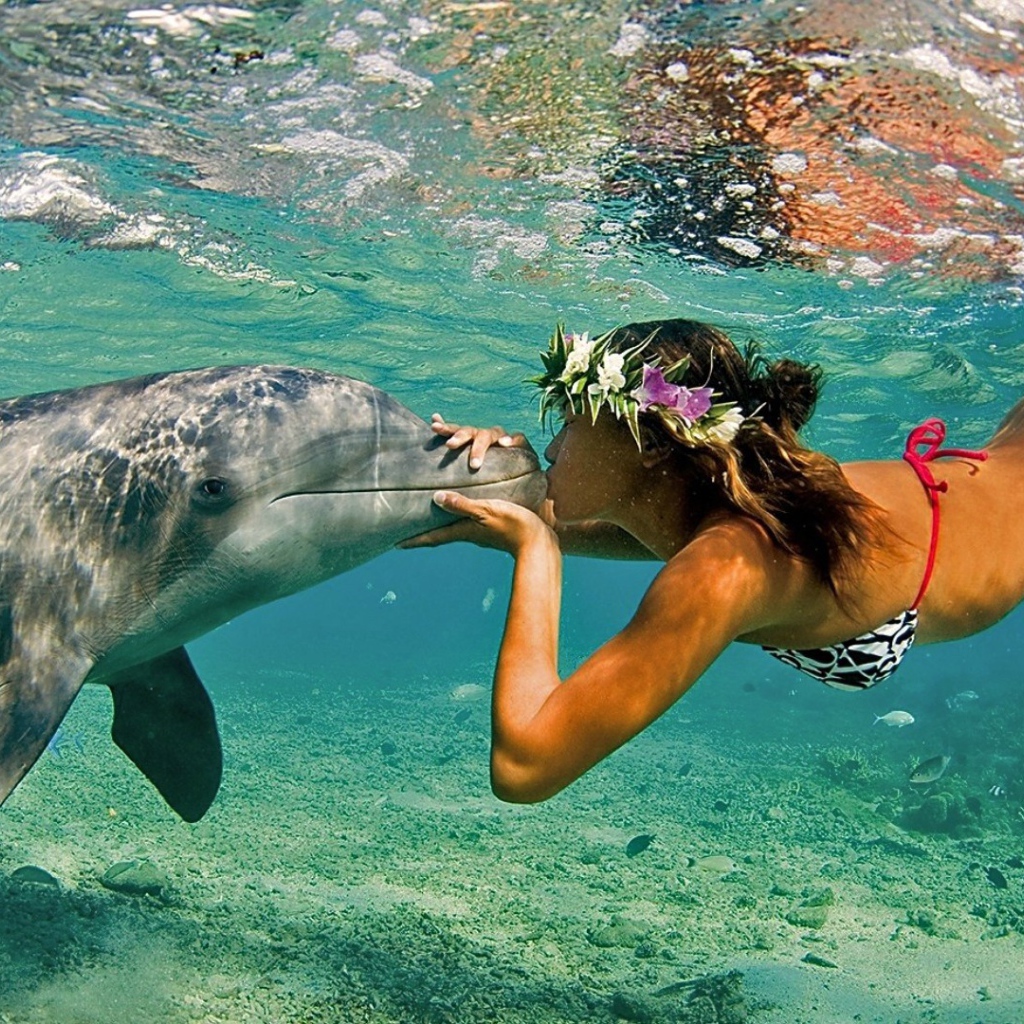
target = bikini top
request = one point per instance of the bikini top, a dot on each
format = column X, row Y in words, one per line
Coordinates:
column 865, row 660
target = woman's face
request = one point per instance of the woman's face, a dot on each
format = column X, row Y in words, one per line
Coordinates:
column 589, row 461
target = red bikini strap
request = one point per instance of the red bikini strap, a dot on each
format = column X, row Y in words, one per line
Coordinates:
column 931, row 434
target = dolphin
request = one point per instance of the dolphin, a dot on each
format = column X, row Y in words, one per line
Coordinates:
column 137, row 515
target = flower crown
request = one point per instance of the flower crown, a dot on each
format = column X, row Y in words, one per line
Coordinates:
column 583, row 374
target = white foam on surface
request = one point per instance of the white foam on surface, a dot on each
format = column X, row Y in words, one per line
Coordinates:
column 50, row 189
column 742, row 246
column 57, row 192
column 632, row 38
column 380, row 67
column 789, row 163
column 997, row 94
column 940, row 238
column 1008, row 10
column 864, row 266
column 345, row 39
column 945, row 171
column 384, row 163
column 871, row 145
column 371, row 17
column 1013, row 169
column 188, row 20
column 494, row 237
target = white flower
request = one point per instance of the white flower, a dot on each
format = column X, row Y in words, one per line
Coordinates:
column 726, row 426
column 578, row 360
column 609, row 374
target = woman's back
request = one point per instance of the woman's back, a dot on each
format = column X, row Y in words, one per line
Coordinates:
column 978, row 574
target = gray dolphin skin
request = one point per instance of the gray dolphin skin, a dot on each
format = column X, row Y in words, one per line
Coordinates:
column 139, row 514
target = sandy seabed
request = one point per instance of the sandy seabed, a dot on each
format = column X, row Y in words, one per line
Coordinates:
column 355, row 867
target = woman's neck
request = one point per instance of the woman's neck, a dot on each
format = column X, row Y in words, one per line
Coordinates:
column 661, row 511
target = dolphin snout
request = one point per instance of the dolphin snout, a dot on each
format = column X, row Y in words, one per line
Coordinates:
column 512, row 474
column 499, row 464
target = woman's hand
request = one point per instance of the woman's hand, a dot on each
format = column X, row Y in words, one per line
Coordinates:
column 479, row 439
column 488, row 523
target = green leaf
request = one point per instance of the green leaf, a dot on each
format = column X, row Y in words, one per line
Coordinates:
column 633, row 419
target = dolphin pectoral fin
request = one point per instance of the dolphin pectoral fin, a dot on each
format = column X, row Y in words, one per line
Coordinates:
column 35, row 695
column 164, row 722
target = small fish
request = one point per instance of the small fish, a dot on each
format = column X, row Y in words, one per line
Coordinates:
column 60, row 742
column 717, row 863
column 996, row 877
column 34, row 876
column 961, row 700
column 468, row 691
column 896, row 718
column 389, row 598
column 930, row 770
column 638, row 844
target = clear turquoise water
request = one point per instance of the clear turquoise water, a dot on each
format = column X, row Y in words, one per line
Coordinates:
column 413, row 193
column 163, row 207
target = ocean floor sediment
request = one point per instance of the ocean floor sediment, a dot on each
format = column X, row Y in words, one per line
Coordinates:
column 355, row 867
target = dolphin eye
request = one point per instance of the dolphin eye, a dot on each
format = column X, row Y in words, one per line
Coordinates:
column 212, row 491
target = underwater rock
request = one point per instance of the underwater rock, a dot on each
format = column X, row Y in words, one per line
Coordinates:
column 31, row 875
column 620, row 931
column 135, row 877
column 922, row 918
column 818, row 960
column 807, row 917
column 934, row 811
column 627, row 1006
column 943, row 812
column 846, row 764
column 812, row 910
column 713, row 999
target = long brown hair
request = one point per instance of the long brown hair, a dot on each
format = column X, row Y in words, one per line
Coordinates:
column 799, row 496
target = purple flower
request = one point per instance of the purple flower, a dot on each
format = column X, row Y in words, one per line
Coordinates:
column 692, row 404
column 655, row 390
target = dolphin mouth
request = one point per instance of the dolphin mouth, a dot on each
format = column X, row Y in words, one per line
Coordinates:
column 490, row 484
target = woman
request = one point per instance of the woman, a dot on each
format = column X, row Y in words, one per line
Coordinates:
column 678, row 447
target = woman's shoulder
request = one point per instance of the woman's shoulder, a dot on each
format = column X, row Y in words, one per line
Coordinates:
column 735, row 536
column 731, row 559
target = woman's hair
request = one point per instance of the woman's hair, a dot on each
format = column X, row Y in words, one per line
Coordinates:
column 799, row 496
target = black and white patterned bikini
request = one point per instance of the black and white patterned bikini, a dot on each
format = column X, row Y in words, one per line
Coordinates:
column 865, row 660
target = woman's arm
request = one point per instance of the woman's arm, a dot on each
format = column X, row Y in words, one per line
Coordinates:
column 547, row 732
